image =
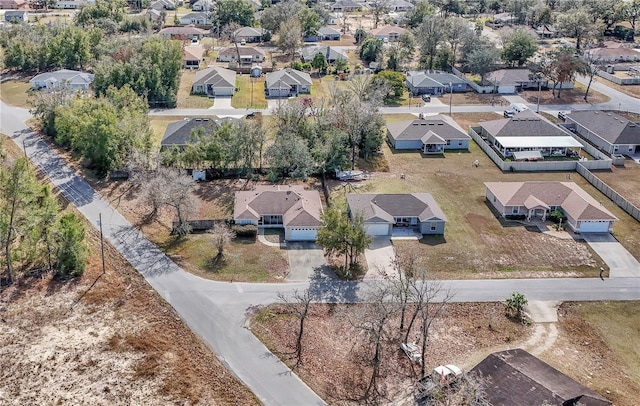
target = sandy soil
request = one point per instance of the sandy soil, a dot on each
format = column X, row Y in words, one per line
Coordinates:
column 118, row 344
column 334, row 349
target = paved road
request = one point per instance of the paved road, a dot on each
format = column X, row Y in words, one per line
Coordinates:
column 216, row 311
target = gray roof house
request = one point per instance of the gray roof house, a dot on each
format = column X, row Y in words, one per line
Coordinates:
column 324, row 34
column 163, row 5
column 16, row 16
column 434, row 83
column 248, row 56
column 389, row 214
column 62, row 78
column 610, row 132
column 528, row 136
column 195, row 19
column 330, row 54
column 429, row 134
column 400, row 5
column 510, row 81
column 516, row 377
column 287, row 82
column 214, row 81
column 249, row 34
column 178, row 133
column 536, row 199
column 202, row 5
column 293, row 208
column 346, row 6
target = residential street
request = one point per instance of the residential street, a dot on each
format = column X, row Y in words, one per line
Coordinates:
column 216, row 310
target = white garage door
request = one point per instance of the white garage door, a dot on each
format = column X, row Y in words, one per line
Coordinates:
column 594, row 226
column 376, row 229
column 301, row 234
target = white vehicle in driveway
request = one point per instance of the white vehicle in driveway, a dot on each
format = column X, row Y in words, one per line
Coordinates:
column 514, row 109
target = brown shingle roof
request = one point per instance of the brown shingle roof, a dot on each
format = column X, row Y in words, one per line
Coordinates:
column 298, row 207
column 519, row 378
column 574, row 201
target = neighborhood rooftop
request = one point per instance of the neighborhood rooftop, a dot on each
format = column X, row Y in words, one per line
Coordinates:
column 299, row 207
column 387, row 206
column 611, row 127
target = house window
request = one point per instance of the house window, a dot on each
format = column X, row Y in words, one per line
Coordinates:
column 433, row 228
column 516, row 210
column 448, row 142
column 615, row 148
column 459, row 143
column 494, row 199
column 630, row 148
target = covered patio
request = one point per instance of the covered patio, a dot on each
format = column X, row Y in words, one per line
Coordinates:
column 432, row 143
column 546, row 146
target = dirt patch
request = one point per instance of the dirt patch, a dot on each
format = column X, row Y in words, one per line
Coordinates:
column 334, row 349
column 567, row 96
column 118, row 344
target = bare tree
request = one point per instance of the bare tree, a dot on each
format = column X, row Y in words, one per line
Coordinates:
column 469, row 389
column 300, row 303
column 221, row 235
column 229, row 32
column 172, row 188
column 374, row 320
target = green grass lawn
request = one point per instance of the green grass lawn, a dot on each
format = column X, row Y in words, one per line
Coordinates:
column 243, row 98
column 14, row 92
column 243, row 261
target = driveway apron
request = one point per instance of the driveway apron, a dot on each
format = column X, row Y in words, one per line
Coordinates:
column 620, row 262
column 380, row 257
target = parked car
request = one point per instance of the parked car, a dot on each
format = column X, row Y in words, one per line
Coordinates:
column 562, row 115
column 426, row 98
column 509, row 113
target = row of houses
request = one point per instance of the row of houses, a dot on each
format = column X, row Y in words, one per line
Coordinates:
column 299, row 212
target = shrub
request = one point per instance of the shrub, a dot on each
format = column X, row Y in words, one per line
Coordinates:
column 557, row 215
column 245, row 230
column 515, row 216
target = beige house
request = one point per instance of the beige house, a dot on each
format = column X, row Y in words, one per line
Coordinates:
column 535, row 200
column 293, row 208
column 248, row 56
column 192, row 57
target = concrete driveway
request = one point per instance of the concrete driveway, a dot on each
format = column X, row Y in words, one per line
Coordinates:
column 620, row 262
column 306, row 261
column 380, row 257
column 222, row 102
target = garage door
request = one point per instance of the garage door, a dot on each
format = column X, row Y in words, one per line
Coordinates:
column 594, row 226
column 377, row 229
column 301, row 234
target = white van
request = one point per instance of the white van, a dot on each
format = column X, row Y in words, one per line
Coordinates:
column 514, row 109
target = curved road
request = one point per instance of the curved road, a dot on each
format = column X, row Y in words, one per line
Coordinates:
column 216, row 310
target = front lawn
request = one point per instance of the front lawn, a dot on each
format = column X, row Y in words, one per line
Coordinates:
column 250, row 94
column 186, row 100
column 567, row 96
column 15, row 92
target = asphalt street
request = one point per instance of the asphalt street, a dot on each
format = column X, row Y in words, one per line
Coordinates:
column 216, row 311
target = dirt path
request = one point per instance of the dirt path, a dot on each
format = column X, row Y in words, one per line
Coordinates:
column 544, row 316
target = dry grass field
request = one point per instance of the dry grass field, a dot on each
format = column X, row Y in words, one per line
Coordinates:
column 186, row 100
column 15, row 92
column 567, row 96
column 475, row 243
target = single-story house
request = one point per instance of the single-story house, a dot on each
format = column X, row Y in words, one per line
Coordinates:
column 610, row 132
column 346, row 6
column 536, row 200
column 331, row 54
column 163, row 5
column 528, row 135
column 400, row 6
column 388, row 33
column 287, row 82
column 178, row 133
column 155, row 15
column 384, row 213
column 324, row 34
column 214, row 81
column 70, row 4
column 515, row 377
column 72, row 79
column 249, row 34
column 202, row 5
column 505, row 18
column 195, row 19
column 434, row 83
column 293, row 208
column 613, row 54
column 192, row 56
column 16, row 16
column 430, row 135
column 546, row 31
column 12, row 4
column 248, row 55
column 182, row 33
column 510, row 81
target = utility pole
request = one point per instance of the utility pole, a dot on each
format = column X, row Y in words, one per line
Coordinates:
column 450, row 97
column 102, row 244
